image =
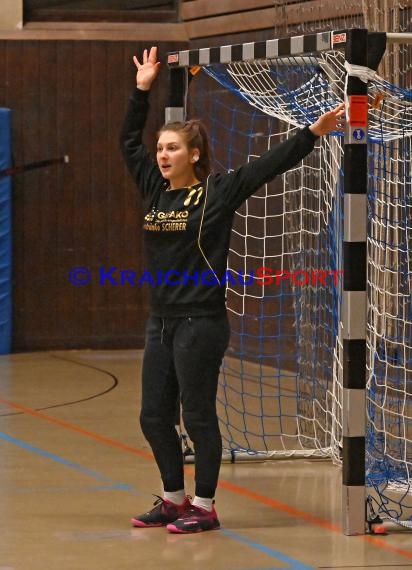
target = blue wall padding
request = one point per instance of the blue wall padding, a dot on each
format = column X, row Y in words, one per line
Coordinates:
column 5, row 234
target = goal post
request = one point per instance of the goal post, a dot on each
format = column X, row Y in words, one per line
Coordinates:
column 354, row 307
column 305, row 375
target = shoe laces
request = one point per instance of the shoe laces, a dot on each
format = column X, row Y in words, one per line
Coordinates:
column 160, row 501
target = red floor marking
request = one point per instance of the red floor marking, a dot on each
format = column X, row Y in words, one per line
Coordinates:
column 73, row 427
column 227, row 485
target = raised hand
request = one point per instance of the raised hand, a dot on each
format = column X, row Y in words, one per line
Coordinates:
column 148, row 70
column 333, row 120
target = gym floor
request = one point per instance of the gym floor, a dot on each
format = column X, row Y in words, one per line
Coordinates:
column 75, row 468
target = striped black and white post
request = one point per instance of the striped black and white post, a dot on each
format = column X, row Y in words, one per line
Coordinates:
column 175, row 110
column 354, row 289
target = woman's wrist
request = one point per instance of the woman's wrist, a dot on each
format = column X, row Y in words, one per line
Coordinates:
column 142, row 86
column 314, row 129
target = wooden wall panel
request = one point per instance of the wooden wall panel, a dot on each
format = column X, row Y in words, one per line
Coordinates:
column 70, row 97
column 102, row 31
column 83, row 206
column 205, row 19
column 222, row 19
column 101, row 10
column 196, row 9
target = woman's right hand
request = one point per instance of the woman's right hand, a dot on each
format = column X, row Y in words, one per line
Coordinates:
column 148, row 70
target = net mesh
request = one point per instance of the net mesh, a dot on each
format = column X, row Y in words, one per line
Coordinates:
column 281, row 388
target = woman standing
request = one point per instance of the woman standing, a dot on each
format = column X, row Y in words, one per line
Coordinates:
column 188, row 219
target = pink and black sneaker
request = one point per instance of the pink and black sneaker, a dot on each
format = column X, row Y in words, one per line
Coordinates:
column 163, row 513
column 195, row 519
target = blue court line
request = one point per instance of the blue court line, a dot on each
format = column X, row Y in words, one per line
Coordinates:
column 293, row 564
column 5, row 490
column 63, row 461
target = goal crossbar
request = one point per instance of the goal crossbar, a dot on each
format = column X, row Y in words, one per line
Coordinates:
column 270, row 49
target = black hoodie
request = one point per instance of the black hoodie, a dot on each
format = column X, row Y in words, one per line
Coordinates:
column 187, row 231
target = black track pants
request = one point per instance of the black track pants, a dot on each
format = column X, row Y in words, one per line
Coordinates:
column 183, row 356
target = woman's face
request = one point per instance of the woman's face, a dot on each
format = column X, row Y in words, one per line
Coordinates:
column 174, row 158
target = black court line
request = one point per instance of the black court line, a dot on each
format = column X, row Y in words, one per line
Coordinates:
column 114, row 384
